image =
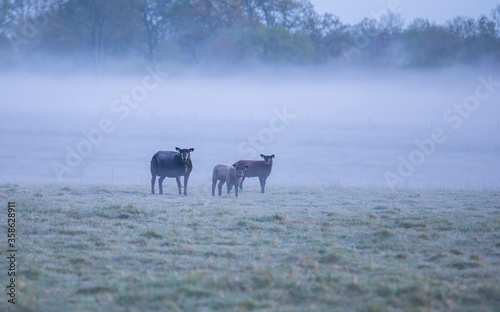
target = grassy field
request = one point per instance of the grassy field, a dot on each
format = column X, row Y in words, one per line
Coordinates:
column 118, row 248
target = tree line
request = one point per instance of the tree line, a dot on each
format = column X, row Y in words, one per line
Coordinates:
column 236, row 32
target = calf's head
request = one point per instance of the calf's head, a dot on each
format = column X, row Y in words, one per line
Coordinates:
column 185, row 153
column 268, row 160
column 240, row 171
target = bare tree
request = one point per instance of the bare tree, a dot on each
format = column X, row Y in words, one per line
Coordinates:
column 97, row 10
column 156, row 22
column 87, row 20
column 391, row 23
column 285, row 13
column 463, row 28
column 292, row 13
column 11, row 12
column 22, row 20
column 495, row 15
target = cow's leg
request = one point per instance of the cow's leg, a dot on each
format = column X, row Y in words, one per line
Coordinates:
column 221, row 183
column 241, row 183
column 153, row 180
column 262, row 184
column 236, row 190
column 178, row 179
column 160, row 183
column 186, row 178
column 229, row 187
column 214, row 182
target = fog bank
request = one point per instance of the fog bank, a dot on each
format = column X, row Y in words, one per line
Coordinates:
column 400, row 128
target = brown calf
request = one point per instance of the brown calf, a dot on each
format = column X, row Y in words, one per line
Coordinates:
column 257, row 168
column 232, row 175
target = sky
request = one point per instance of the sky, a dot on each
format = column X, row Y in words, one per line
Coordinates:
column 439, row 11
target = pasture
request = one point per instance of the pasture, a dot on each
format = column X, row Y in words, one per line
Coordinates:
column 97, row 247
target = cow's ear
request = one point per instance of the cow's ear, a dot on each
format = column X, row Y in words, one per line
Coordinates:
column 272, row 156
column 177, row 149
column 234, row 167
column 262, row 155
column 191, row 150
column 245, row 168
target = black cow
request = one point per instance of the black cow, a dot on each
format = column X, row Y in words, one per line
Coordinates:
column 173, row 165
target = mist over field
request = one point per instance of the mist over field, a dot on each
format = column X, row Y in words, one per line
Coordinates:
column 326, row 125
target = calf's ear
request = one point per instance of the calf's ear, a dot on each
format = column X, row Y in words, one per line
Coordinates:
column 234, row 166
column 272, row 156
column 177, row 149
column 191, row 150
column 262, row 155
column 245, row 168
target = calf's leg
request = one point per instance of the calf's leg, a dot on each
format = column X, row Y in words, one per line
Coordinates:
column 241, row 183
column 221, row 183
column 262, row 181
column 214, row 182
column 153, row 180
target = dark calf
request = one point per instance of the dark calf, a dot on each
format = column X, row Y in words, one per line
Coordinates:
column 172, row 165
column 257, row 168
column 232, row 175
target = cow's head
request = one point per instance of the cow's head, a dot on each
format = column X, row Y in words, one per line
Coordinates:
column 240, row 171
column 185, row 153
column 268, row 160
